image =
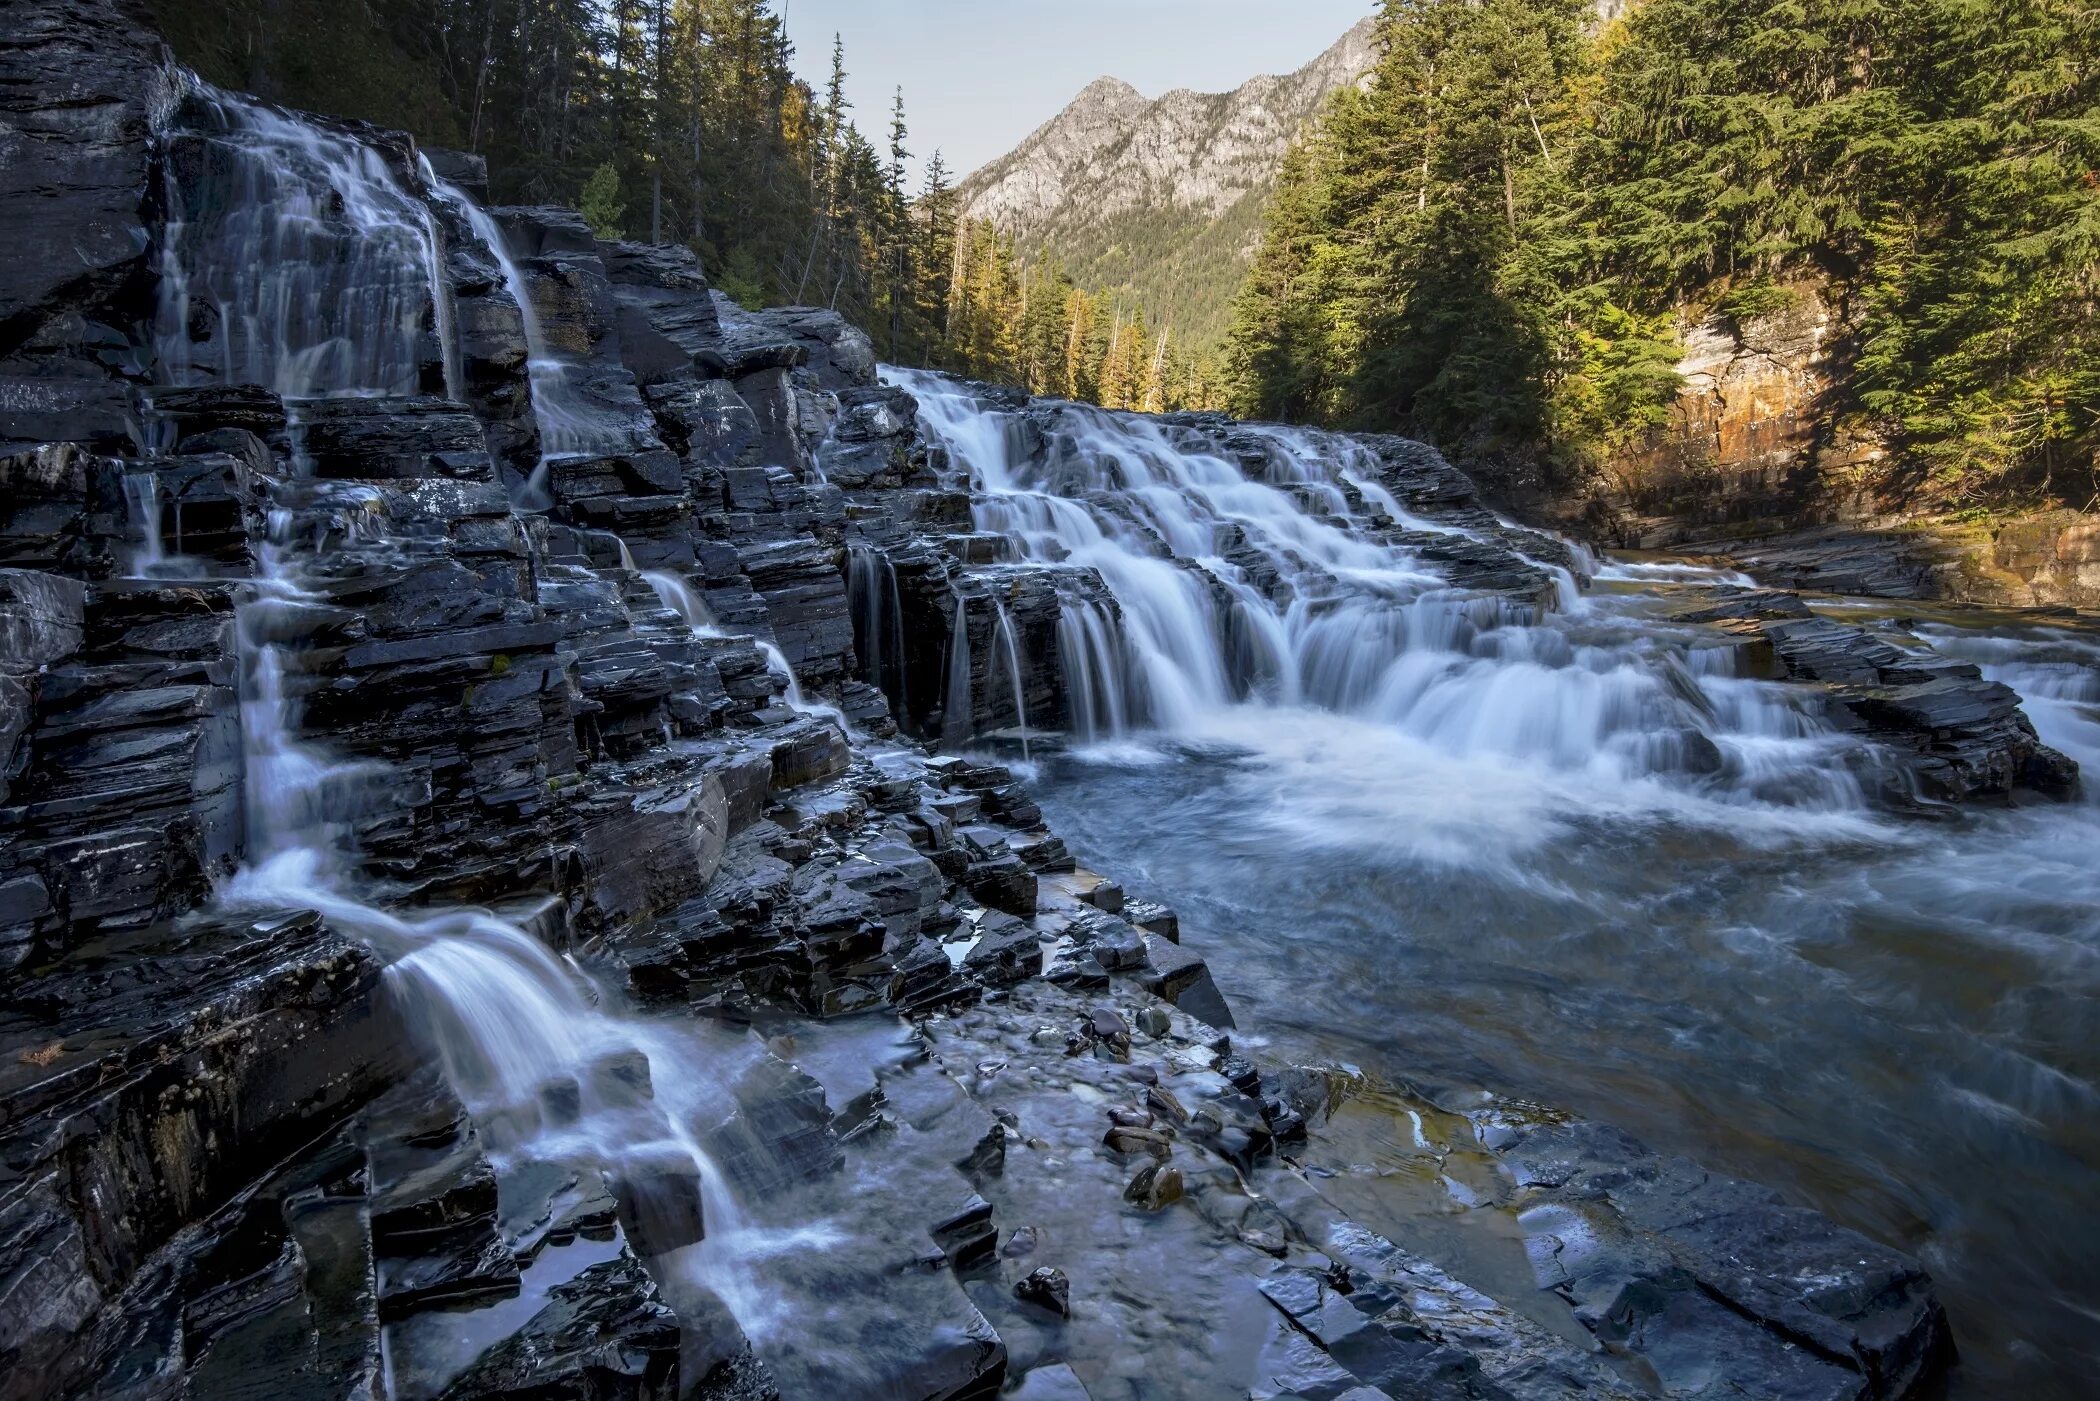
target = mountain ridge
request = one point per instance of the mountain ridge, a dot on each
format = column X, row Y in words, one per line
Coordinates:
column 1159, row 199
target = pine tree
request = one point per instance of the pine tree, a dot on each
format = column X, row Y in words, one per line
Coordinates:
column 600, row 202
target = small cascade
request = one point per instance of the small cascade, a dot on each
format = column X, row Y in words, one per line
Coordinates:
column 959, row 697
column 678, row 596
column 1087, row 643
column 160, row 552
column 626, row 555
column 298, row 254
column 878, row 623
column 2057, row 673
column 142, row 495
column 567, row 425
column 777, row 663
column 1003, row 638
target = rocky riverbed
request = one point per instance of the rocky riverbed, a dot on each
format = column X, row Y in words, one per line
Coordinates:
column 518, row 875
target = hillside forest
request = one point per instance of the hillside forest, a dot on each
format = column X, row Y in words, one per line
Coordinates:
column 1494, row 244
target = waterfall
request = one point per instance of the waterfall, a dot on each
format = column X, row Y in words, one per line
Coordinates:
column 777, row 663
column 877, row 607
column 1093, row 672
column 567, row 425
column 300, row 253
column 1003, row 638
column 296, row 258
column 142, row 495
column 957, row 700
column 678, row 596
column 1283, row 573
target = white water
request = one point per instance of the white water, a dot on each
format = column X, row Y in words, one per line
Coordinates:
column 1360, row 650
column 2057, row 673
column 316, row 266
column 679, row 597
column 567, row 425
column 956, row 699
column 320, row 270
column 506, row 1017
column 142, row 496
column 1003, row 639
column 878, row 622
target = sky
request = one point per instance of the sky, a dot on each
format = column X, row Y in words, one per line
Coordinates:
column 979, row 75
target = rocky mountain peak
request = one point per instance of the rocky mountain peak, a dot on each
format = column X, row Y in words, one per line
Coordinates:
column 1116, row 182
column 1113, row 150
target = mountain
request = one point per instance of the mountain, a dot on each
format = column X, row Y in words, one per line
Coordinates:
column 1161, row 199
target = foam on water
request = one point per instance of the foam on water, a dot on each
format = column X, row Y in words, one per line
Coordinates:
column 1269, row 593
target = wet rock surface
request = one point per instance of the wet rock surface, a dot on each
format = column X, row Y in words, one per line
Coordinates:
column 653, row 693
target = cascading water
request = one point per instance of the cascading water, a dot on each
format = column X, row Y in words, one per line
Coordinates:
column 2057, row 673
column 1284, row 591
column 957, row 698
column 878, row 623
column 506, row 1017
column 297, row 253
column 567, row 426
column 1089, row 651
column 1003, row 639
column 677, row 596
column 142, row 495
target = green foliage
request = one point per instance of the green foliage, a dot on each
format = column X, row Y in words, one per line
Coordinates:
column 1490, row 245
column 369, row 60
column 600, row 202
column 1418, row 269
column 1031, row 326
column 1760, row 296
column 673, row 120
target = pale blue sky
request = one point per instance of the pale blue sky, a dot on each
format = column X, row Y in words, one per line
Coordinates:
column 979, row 75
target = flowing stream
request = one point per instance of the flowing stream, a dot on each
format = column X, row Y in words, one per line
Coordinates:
column 1573, row 854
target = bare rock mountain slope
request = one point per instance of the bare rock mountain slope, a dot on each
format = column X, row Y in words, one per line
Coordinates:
column 1161, row 198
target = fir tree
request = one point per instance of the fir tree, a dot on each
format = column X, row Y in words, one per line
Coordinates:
column 600, row 202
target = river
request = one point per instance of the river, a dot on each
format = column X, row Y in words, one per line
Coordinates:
column 1890, row 1020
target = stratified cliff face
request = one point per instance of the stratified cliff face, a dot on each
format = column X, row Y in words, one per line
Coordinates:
column 1118, row 186
column 1762, row 460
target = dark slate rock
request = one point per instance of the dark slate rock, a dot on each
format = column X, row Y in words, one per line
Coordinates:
column 1676, row 1237
column 1007, row 950
column 1183, row 978
column 385, row 438
column 606, row 1335
column 83, row 82
column 466, row 169
column 98, row 414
